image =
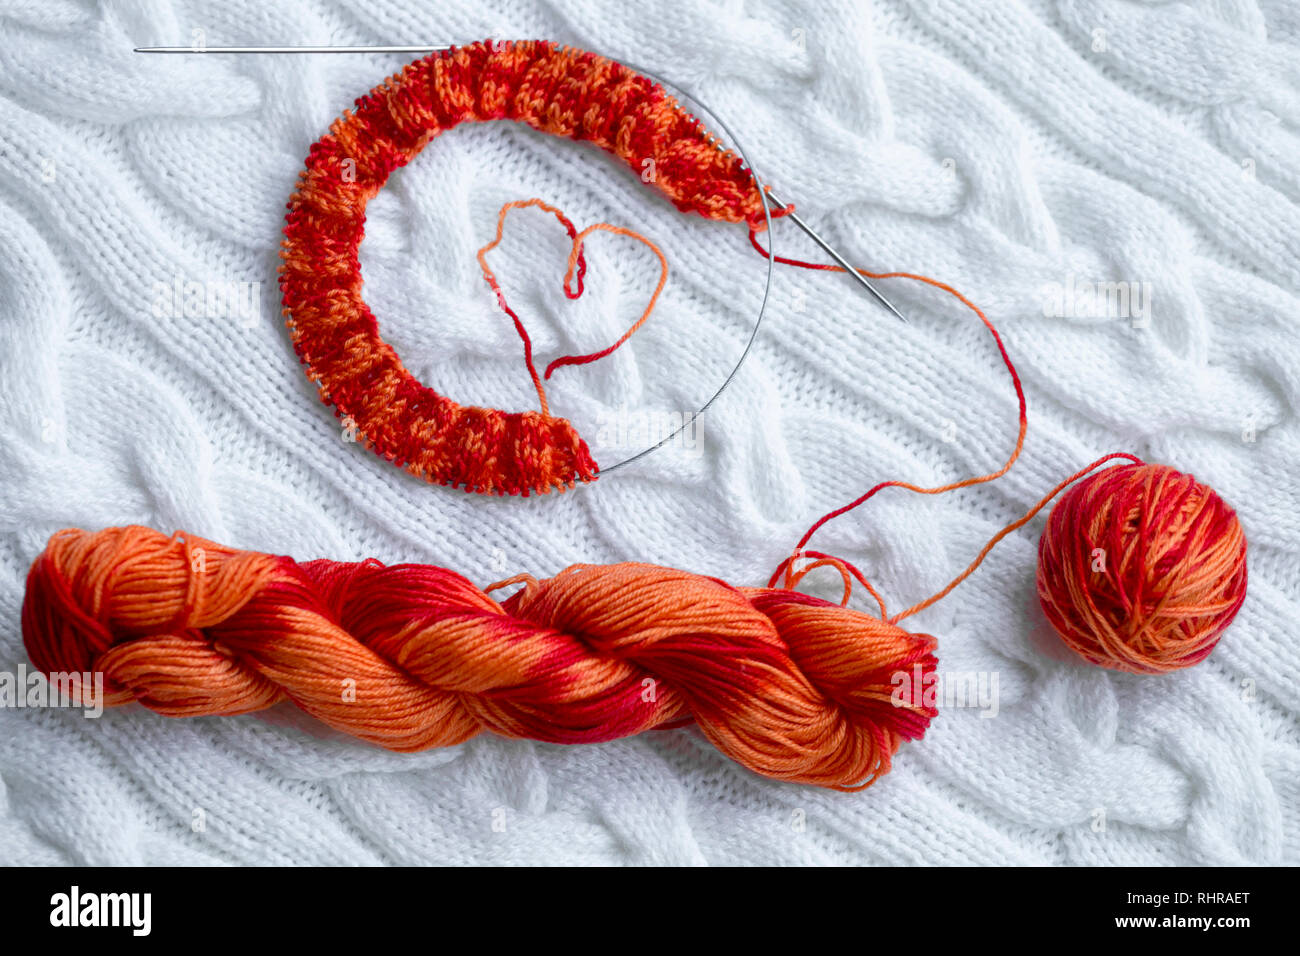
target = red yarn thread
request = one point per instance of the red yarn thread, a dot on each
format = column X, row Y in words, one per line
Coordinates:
column 576, row 265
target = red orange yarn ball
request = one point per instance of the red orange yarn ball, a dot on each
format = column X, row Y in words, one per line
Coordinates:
column 1141, row 568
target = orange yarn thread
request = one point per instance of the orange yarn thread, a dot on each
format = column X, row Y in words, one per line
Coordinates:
column 575, row 264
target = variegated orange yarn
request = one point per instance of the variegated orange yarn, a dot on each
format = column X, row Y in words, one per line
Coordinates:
column 554, row 89
column 415, row 656
column 573, row 273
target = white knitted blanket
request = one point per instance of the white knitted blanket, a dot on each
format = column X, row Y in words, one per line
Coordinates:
column 1114, row 182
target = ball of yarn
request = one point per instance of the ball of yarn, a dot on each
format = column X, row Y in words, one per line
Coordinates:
column 1141, row 568
column 415, row 656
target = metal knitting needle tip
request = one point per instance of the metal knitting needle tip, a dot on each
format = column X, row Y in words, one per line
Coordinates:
column 290, row 49
column 839, row 259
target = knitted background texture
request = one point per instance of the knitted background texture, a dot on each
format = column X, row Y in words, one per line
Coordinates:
column 1031, row 152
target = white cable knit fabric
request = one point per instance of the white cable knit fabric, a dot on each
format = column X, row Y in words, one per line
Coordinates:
column 1023, row 150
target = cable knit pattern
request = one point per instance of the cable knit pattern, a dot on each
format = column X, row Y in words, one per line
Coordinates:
column 1113, row 181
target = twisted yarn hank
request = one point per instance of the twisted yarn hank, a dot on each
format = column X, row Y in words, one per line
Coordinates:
column 415, row 656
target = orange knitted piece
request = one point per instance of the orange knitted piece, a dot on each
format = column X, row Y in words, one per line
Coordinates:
column 554, row 89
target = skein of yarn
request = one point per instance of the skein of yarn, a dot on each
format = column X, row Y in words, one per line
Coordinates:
column 415, row 656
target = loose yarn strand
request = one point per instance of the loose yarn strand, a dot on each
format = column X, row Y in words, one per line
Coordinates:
column 654, row 296
column 1177, row 576
column 1023, row 425
column 490, row 277
column 575, row 269
column 1018, row 523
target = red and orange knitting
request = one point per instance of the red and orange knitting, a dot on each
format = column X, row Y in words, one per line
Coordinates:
column 554, row 89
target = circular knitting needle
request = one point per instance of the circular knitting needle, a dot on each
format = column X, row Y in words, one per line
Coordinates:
column 793, row 217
